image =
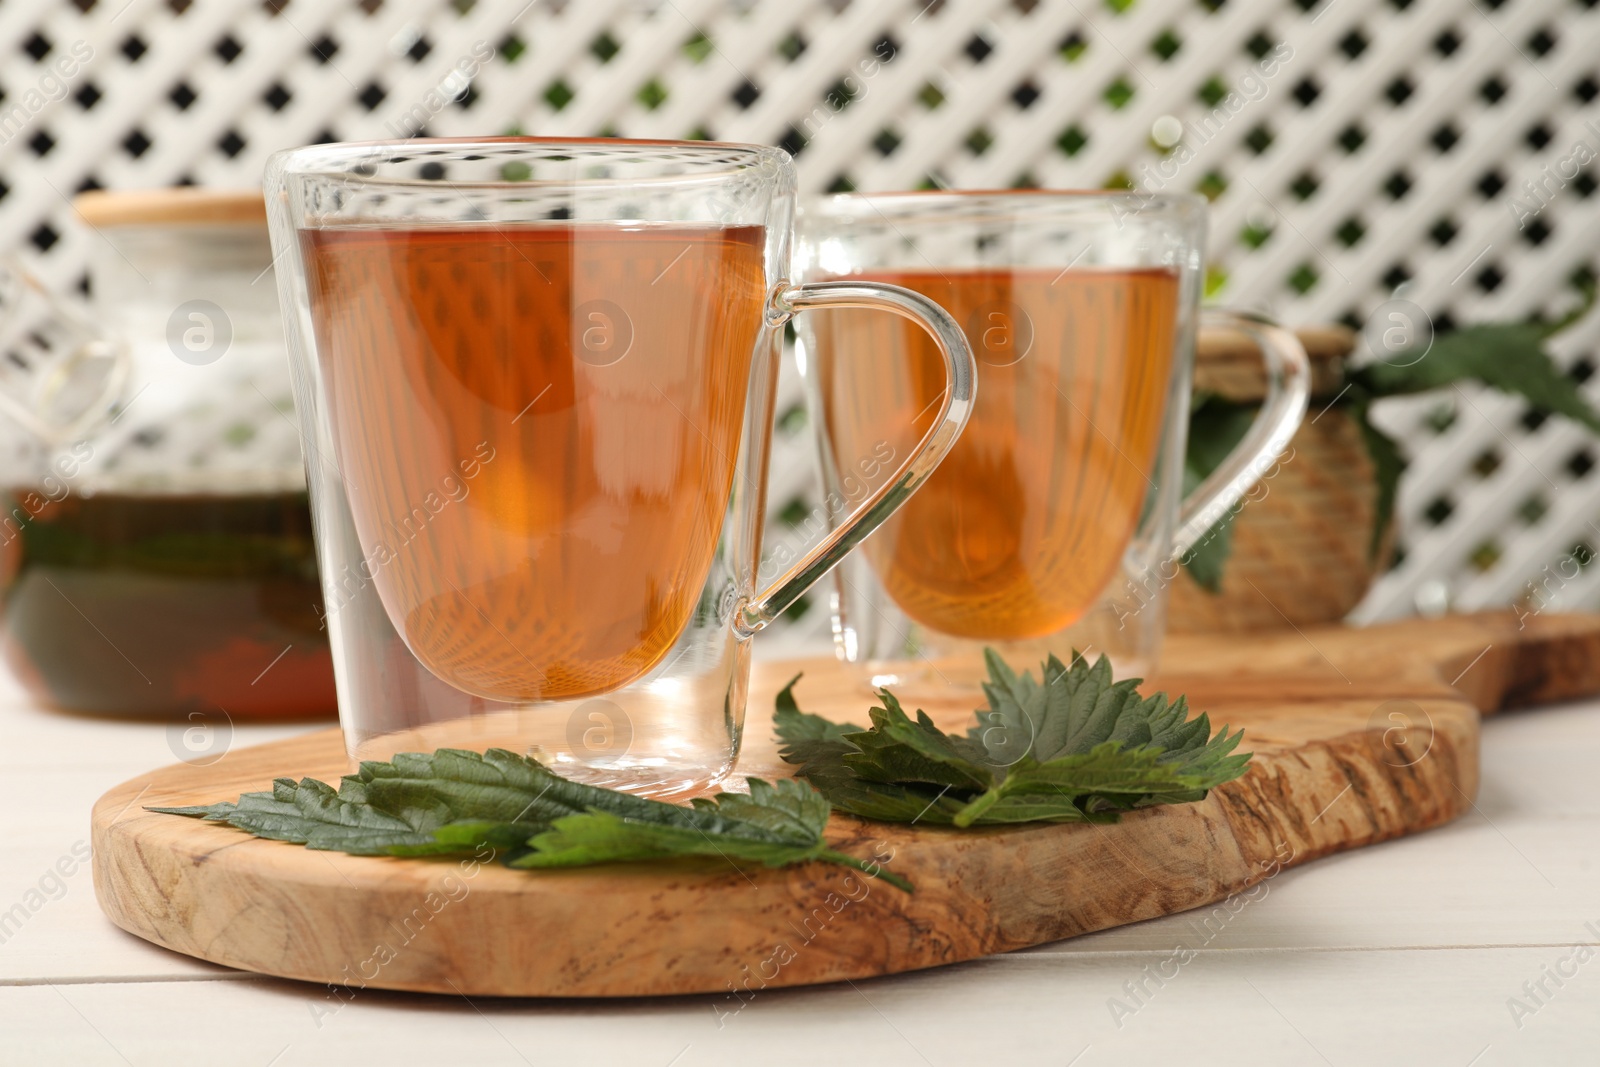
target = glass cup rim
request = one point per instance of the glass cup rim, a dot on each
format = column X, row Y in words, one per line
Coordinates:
column 333, row 160
column 936, row 204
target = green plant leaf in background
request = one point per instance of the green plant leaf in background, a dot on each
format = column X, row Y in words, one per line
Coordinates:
column 1216, row 426
column 1509, row 357
column 1388, row 464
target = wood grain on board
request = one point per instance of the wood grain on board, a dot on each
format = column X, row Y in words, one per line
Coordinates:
column 1359, row 736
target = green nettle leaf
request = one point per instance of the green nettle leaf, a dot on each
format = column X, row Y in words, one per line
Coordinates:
column 1076, row 746
column 453, row 801
column 778, row 823
column 310, row 813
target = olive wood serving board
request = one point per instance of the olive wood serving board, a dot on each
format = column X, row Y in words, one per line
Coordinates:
column 1359, row 736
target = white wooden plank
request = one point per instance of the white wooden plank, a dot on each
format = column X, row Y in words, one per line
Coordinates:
column 1313, row 1008
column 53, row 768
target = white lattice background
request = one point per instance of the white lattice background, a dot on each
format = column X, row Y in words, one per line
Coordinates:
column 1382, row 150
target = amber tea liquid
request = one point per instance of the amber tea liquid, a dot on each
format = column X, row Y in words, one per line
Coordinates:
column 563, row 402
column 1022, row 526
column 164, row 604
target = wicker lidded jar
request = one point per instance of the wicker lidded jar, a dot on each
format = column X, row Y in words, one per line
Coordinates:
column 1301, row 539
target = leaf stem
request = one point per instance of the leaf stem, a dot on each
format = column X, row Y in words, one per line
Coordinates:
column 977, row 806
column 874, row 870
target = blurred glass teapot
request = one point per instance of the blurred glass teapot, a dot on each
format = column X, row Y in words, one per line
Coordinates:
column 156, row 555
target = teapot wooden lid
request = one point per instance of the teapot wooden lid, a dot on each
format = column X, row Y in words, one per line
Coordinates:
column 184, row 205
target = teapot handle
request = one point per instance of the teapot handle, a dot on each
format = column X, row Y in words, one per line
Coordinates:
column 29, row 304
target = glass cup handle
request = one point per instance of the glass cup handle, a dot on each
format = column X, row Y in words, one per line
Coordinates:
column 955, row 408
column 1288, row 392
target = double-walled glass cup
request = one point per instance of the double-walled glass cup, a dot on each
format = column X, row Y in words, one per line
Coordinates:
column 537, row 381
column 1057, row 521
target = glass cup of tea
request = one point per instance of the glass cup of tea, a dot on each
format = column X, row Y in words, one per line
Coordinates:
column 1058, row 520
column 537, row 379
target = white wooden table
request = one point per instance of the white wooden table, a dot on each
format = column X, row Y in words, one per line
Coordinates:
column 1408, row 952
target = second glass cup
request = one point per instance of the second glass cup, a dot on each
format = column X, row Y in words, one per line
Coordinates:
column 1056, row 521
column 537, row 378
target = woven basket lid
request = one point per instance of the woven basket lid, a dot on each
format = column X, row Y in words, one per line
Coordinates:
column 1228, row 363
column 185, row 205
